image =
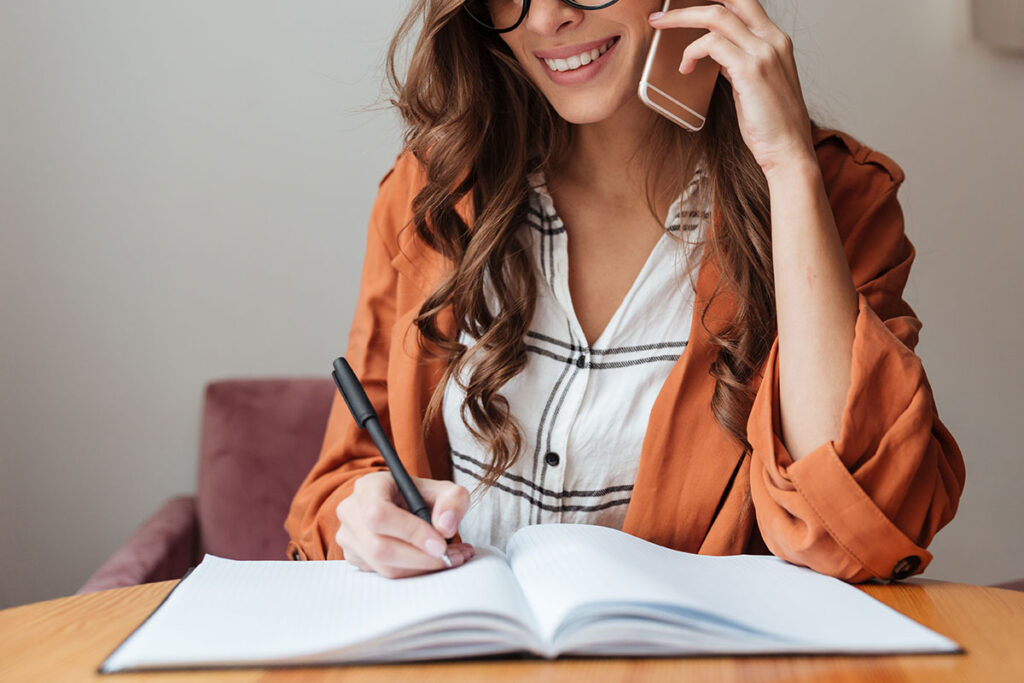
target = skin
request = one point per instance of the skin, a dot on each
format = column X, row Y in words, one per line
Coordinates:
column 599, row 197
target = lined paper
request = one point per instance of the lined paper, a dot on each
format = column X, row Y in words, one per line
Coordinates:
column 563, row 567
column 234, row 612
column 564, row 588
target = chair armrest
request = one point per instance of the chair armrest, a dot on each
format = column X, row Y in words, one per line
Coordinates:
column 163, row 548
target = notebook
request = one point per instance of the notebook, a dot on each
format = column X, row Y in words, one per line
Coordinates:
column 558, row 589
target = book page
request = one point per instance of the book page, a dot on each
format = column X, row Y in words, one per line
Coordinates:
column 230, row 612
column 578, row 571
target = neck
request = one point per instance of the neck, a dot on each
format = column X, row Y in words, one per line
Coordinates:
column 605, row 160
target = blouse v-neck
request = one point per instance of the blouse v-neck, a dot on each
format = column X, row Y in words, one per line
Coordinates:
column 583, row 408
column 560, row 252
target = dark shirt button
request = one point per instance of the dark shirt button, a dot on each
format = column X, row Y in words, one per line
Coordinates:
column 552, row 459
column 581, row 362
column 905, row 567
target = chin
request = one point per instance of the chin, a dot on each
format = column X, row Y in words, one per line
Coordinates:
column 595, row 103
column 592, row 109
column 581, row 113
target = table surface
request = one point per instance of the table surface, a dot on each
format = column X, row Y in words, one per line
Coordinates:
column 68, row 638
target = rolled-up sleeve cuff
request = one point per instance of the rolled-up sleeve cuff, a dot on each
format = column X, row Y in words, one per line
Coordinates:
column 799, row 500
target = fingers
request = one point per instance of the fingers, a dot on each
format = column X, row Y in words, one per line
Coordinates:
column 741, row 22
column 712, row 17
column 718, row 48
column 377, row 534
column 390, row 557
column 752, row 14
column 460, row 553
column 448, row 502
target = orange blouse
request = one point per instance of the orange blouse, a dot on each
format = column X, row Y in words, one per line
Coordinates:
column 864, row 506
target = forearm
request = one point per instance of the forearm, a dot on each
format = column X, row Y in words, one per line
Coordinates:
column 816, row 306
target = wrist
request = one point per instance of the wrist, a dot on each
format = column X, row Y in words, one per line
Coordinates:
column 800, row 167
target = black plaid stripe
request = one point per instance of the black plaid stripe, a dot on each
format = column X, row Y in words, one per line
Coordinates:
column 692, row 224
column 606, row 365
column 558, row 409
column 534, row 493
column 539, row 222
column 539, row 466
column 616, row 349
column 614, row 365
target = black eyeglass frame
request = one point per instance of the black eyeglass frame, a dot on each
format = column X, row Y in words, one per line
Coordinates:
column 526, row 9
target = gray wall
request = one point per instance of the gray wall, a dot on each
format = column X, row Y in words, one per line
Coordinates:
column 184, row 189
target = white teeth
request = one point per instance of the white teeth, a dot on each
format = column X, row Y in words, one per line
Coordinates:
column 576, row 61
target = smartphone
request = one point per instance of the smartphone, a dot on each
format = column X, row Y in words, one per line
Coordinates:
column 681, row 98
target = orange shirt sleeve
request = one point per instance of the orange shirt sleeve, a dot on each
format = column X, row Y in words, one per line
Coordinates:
column 348, row 452
column 865, row 506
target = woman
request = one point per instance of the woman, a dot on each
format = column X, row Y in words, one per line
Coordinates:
column 579, row 312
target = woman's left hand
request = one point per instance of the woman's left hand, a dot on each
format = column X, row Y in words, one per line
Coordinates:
column 757, row 59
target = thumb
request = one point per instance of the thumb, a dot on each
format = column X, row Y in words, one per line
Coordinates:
column 448, row 502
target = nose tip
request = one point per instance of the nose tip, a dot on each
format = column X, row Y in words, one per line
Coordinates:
column 549, row 17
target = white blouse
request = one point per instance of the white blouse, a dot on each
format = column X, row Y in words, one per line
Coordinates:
column 583, row 409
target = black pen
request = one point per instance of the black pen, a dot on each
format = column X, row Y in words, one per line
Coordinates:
column 366, row 417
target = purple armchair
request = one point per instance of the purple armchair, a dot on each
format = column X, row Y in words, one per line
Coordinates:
column 259, row 439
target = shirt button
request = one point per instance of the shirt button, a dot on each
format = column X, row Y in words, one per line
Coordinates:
column 552, row 459
column 581, row 362
column 905, row 567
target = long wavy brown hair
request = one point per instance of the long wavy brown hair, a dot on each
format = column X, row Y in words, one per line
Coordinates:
column 479, row 126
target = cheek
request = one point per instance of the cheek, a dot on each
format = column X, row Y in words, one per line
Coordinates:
column 514, row 46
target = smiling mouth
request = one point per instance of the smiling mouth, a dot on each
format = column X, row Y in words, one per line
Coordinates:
column 580, row 60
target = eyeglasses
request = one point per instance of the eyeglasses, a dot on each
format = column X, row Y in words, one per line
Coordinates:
column 505, row 15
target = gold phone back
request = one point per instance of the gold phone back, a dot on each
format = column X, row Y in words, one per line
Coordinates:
column 683, row 99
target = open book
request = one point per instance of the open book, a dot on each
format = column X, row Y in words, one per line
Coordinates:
column 559, row 589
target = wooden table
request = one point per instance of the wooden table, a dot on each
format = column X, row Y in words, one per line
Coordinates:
column 67, row 638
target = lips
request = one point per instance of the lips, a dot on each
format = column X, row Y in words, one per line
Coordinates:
column 574, row 71
column 576, row 61
column 570, row 50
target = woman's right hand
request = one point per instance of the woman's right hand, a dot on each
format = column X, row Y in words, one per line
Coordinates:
column 379, row 534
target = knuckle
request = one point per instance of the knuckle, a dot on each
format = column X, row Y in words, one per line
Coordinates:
column 348, row 511
column 377, row 550
column 375, row 514
column 344, row 539
column 367, row 483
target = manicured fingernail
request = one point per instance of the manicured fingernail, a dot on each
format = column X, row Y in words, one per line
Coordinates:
column 435, row 548
column 656, row 15
column 447, row 522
